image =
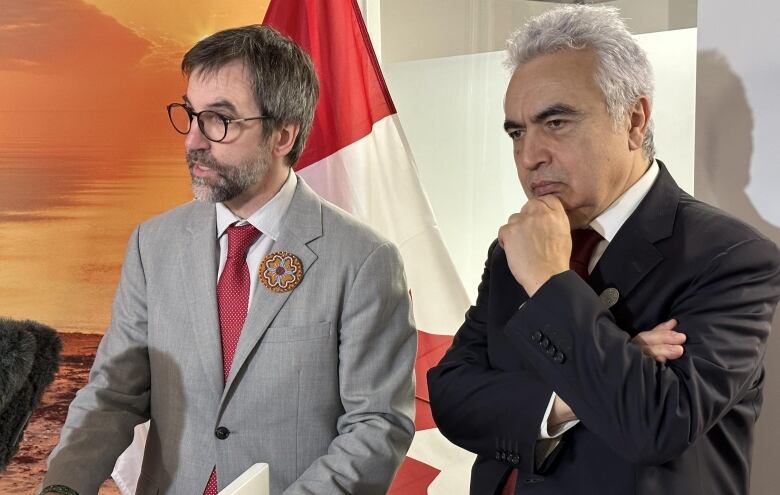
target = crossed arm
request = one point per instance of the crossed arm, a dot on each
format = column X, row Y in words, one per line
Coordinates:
column 662, row 343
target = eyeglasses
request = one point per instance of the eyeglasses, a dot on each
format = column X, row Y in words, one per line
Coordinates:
column 212, row 125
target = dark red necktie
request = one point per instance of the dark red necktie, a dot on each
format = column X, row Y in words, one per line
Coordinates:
column 583, row 242
column 233, row 301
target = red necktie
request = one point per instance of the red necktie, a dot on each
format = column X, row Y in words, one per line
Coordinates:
column 233, row 301
column 583, row 242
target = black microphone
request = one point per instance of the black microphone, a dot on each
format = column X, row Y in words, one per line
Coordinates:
column 29, row 358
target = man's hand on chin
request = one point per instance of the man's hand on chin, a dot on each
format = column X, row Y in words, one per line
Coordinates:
column 537, row 242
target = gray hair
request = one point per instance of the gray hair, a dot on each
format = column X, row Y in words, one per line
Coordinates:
column 282, row 75
column 623, row 72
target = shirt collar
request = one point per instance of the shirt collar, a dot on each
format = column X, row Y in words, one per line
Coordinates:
column 609, row 222
column 268, row 218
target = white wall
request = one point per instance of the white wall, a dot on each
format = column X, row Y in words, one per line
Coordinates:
column 737, row 151
column 415, row 29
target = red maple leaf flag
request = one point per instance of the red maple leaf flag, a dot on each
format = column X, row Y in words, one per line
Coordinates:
column 358, row 158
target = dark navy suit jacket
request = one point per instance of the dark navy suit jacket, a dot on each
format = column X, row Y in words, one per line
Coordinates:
column 645, row 428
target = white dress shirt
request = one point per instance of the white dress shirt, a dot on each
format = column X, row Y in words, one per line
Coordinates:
column 607, row 224
column 267, row 220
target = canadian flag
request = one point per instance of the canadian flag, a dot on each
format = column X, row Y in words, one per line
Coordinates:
column 358, row 158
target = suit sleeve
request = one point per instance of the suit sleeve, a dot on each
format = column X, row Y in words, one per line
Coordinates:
column 646, row 411
column 103, row 414
column 492, row 412
column 376, row 360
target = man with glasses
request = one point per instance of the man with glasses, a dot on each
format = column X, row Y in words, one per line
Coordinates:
column 258, row 324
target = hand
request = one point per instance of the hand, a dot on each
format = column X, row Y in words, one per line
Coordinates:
column 661, row 343
column 537, row 242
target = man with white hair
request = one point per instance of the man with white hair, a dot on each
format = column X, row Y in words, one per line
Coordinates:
column 551, row 380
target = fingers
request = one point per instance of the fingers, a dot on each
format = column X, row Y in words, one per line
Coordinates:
column 663, row 352
column 551, row 201
column 663, row 333
column 504, row 232
column 662, row 343
column 542, row 205
column 657, row 337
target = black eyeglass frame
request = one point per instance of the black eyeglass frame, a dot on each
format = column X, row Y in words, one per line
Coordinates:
column 225, row 120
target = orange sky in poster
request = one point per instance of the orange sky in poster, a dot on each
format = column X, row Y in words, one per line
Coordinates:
column 86, row 150
column 95, row 55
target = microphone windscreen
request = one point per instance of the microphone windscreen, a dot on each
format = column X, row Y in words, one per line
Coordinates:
column 19, row 406
column 17, row 353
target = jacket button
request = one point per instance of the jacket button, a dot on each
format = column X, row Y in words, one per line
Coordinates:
column 222, row 433
column 514, row 459
column 559, row 357
column 536, row 336
column 551, row 351
column 544, row 343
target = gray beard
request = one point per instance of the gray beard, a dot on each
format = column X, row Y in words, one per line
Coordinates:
column 231, row 180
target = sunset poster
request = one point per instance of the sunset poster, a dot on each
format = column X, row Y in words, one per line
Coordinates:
column 86, row 153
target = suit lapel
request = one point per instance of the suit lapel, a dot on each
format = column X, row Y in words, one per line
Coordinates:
column 632, row 254
column 302, row 224
column 198, row 265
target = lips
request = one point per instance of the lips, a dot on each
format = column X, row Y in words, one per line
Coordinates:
column 201, row 164
column 544, row 187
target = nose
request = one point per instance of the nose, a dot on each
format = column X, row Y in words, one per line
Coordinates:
column 532, row 151
column 195, row 140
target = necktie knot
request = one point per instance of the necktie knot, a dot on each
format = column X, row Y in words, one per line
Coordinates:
column 240, row 238
column 583, row 242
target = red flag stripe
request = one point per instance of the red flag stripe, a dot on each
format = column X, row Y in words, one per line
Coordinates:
column 353, row 93
column 423, row 417
column 430, row 350
column 413, row 477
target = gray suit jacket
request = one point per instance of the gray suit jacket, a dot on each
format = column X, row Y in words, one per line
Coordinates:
column 321, row 386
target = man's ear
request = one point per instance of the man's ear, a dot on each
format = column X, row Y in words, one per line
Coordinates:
column 638, row 121
column 283, row 139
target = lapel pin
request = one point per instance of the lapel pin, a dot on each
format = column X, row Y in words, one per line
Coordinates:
column 609, row 297
column 281, row 271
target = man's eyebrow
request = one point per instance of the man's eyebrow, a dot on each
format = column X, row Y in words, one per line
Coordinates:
column 223, row 104
column 217, row 104
column 511, row 124
column 553, row 110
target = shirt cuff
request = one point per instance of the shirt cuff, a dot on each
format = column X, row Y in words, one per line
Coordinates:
column 557, row 430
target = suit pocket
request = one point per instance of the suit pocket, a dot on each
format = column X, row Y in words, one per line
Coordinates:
column 298, row 333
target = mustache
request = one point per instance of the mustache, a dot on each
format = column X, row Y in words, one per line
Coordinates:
column 536, row 179
column 204, row 158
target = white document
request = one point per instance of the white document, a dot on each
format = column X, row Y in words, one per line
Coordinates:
column 253, row 481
